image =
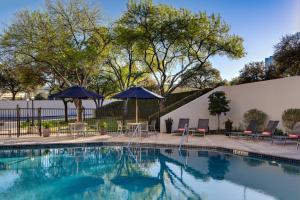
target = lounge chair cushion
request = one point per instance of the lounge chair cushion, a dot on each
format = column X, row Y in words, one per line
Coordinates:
column 266, row 133
column 292, row 136
column 201, row 129
column 247, row 132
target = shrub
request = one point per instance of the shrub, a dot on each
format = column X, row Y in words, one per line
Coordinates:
column 259, row 116
column 290, row 117
column 278, row 132
column 46, row 124
column 103, row 125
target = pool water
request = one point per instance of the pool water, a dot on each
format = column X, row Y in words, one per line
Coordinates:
column 142, row 173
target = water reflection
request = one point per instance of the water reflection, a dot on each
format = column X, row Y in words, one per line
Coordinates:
column 142, row 173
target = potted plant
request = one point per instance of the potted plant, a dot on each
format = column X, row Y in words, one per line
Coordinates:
column 169, row 123
column 103, row 128
column 46, row 128
column 228, row 126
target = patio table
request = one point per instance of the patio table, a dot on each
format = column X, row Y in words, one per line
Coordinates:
column 135, row 127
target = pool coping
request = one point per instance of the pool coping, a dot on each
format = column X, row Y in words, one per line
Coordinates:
column 237, row 152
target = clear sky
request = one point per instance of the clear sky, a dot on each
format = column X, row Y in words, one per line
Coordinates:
column 261, row 23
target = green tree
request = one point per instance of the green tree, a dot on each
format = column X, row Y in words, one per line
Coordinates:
column 203, row 78
column 103, row 84
column 218, row 104
column 172, row 41
column 272, row 72
column 252, row 72
column 65, row 41
column 10, row 81
column 287, row 55
column 122, row 63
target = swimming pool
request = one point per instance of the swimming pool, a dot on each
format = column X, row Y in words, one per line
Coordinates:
column 115, row 172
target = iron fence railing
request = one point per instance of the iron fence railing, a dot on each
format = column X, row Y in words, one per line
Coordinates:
column 33, row 121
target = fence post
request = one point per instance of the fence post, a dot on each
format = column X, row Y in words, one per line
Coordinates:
column 83, row 112
column 40, row 120
column 18, row 121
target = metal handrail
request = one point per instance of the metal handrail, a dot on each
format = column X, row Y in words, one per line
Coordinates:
column 184, row 134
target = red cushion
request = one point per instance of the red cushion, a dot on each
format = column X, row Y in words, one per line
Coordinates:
column 293, row 136
column 266, row 133
column 181, row 129
column 201, row 129
column 248, row 132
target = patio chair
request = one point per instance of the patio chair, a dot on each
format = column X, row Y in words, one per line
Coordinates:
column 268, row 131
column 250, row 130
column 182, row 124
column 294, row 135
column 202, row 127
column 152, row 126
column 121, row 128
column 95, row 126
column 78, row 128
column 144, row 129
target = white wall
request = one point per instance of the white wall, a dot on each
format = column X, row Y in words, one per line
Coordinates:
column 5, row 104
column 272, row 97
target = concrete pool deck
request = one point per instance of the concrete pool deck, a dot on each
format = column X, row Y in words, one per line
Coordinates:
column 289, row 151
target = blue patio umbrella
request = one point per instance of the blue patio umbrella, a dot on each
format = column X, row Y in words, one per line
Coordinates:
column 76, row 92
column 137, row 93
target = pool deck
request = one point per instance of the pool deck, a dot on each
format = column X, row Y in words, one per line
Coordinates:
column 289, row 151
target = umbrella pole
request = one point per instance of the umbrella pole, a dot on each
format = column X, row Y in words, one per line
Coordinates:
column 136, row 111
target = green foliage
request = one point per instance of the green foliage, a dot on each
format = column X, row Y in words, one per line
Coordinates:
column 290, row 117
column 228, row 125
column 259, row 116
column 166, row 37
column 40, row 96
column 287, row 55
column 252, row 72
column 103, row 125
column 202, row 78
column 47, row 124
column 271, row 72
column 278, row 132
column 10, row 80
column 218, row 103
column 64, row 41
column 25, row 124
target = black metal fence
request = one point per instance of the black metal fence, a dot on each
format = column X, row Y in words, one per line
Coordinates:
column 33, row 121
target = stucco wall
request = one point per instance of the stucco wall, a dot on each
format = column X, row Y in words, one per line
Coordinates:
column 272, row 97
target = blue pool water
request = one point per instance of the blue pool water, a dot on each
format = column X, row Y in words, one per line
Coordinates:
column 142, row 173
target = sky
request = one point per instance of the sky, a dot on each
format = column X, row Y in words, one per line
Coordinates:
column 261, row 23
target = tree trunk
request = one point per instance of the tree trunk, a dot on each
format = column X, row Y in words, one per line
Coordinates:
column 14, row 94
column 78, row 105
column 218, row 123
column 66, row 110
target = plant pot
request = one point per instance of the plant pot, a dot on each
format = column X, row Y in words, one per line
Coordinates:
column 46, row 132
column 103, row 131
column 169, row 126
column 228, row 128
